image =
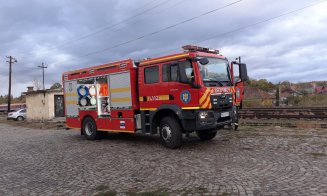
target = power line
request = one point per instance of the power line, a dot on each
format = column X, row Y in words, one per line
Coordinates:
column 160, row 30
column 217, row 35
column 108, row 26
column 262, row 21
column 252, row 24
column 116, row 24
column 24, row 71
column 158, row 12
column 105, row 28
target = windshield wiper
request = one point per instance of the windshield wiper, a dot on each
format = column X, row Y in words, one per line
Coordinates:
column 213, row 80
column 228, row 82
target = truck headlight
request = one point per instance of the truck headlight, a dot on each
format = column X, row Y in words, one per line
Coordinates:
column 203, row 115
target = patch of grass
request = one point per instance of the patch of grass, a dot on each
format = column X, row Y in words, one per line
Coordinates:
column 101, row 188
column 138, row 180
column 225, row 194
column 202, row 189
column 199, row 190
column 150, row 193
column 247, row 148
column 318, row 154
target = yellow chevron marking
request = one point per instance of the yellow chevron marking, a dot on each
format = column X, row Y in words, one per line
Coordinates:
column 205, row 105
column 204, row 96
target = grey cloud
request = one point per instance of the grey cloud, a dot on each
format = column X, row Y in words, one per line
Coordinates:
column 274, row 50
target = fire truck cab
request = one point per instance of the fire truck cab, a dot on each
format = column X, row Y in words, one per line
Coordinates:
column 170, row 95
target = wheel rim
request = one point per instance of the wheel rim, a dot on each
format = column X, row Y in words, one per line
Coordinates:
column 166, row 132
column 20, row 118
column 89, row 128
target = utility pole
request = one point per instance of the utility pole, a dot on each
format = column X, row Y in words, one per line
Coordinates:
column 43, row 67
column 11, row 61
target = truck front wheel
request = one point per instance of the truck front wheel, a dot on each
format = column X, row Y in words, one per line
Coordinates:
column 89, row 129
column 207, row 134
column 170, row 132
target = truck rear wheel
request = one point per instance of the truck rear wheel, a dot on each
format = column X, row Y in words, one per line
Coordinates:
column 207, row 134
column 170, row 132
column 89, row 129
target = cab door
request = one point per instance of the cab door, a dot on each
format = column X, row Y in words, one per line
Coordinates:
column 152, row 91
column 179, row 76
column 239, row 75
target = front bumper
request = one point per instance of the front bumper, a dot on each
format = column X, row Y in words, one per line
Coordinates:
column 214, row 119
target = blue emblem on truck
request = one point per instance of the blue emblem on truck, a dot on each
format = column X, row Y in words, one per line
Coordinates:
column 185, row 96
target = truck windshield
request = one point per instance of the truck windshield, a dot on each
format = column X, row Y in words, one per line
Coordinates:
column 215, row 73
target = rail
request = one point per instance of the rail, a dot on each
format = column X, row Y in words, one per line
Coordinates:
column 285, row 113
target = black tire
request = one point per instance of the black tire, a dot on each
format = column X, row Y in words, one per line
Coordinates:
column 171, row 132
column 206, row 134
column 89, row 129
column 20, row 118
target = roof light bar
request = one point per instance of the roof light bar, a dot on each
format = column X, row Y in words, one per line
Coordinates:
column 192, row 48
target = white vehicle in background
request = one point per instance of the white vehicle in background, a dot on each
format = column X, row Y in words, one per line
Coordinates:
column 17, row 115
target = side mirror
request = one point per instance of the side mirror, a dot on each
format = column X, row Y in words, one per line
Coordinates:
column 243, row 72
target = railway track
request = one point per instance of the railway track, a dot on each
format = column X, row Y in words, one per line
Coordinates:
column 284, row 113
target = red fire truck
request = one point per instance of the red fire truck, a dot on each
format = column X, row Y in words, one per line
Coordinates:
column 171, row 95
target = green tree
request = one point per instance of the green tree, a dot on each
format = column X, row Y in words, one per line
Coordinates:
column 262, row 84
column 4, row 99
column 56, row 85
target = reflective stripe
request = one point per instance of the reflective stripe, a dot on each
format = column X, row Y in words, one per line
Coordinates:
column 123, row 99
column 148, row 108
column 119, row 90
column 71, row 102
column 155, row 98
column 71, row 94
column 190, row 108
column 164, row 59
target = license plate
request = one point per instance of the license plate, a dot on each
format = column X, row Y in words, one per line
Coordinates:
column 224, row 114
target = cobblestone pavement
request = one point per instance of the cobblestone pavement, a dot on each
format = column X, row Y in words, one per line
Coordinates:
column 252, row 161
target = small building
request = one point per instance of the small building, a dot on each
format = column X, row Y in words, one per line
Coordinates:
column 321, row 89
column 44, row 104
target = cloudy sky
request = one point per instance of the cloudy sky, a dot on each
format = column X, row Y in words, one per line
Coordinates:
column 279, row 40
